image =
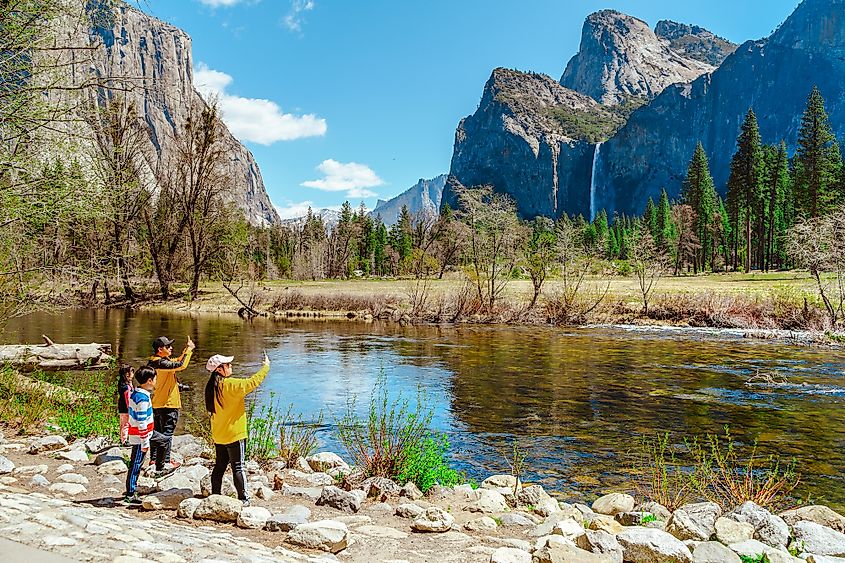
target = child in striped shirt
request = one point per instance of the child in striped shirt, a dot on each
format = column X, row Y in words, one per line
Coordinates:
column 141, row 431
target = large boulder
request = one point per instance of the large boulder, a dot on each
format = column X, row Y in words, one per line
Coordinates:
column 516, row 520
column 730, row 531
column 489, row 502
column 114, row 467
column 286, row 521
column 434, row 519
column 768, row 528
column 570, row 529
column 253, row 517
column 411, row 491
column 324, row 461
column 532, row 495
column 380, row 488
column 818, row 539
column 347, row 501
column 714, row 552
column 694, row 521
column 613, row 504
column 409, row 510
column 647, row 545
column 603, row 543
column 660, row 512
column 219, row 508
column 547, row 506
column 111, row 454
column 169, row 499
column 47, row 444
column 815, row 513
column 325, row 535
column 187, row 507
column 567, row 554
column 483, row 524
column 605, row 524
column 496, row 482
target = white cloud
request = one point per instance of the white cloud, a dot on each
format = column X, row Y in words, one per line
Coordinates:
column 293, row 21
column 351, row 177
column 253, row 119
column 294, row 210
column 217, row 3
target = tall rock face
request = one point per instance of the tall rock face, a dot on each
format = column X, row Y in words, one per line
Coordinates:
column 423, row 199
column 695, row 42
column 774, row 76
column 527, row 140
column 621, row 59
column 156, row 58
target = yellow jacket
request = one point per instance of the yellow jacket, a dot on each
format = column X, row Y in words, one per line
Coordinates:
column 166, row 394
column 228, row 424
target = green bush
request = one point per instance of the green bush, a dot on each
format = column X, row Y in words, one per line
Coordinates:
column 426, row 465
column 276, row 433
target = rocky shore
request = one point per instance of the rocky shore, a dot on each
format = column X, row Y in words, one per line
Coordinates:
column 61, row 498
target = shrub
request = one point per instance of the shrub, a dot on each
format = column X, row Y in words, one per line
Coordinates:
column 262, row 428
column 276, row 433
column 661, row 476
column 426, row 466
column 393, row 431
column 297, row 438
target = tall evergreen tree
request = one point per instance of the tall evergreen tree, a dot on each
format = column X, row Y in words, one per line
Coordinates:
column 777, row 193
column 818, row 160
column 664, row 226
column 650, row 217
column 699, row 193
column 744, row 187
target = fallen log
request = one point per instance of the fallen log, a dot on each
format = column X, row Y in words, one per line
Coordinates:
column 51, row 356
column 55, row 393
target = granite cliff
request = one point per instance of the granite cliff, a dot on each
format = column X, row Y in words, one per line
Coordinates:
column 423, row 198
column 774, row 76
column 660, row 92
column 156, row 58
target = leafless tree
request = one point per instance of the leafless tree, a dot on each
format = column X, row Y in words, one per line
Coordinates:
column 648, row 263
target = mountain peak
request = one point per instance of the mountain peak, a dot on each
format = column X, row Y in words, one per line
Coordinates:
column 816, row 26
column 695, row 42
column 622, row 58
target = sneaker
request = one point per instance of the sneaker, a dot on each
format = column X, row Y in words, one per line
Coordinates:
column 245, row 503
column 164, row 472
column 132, row 500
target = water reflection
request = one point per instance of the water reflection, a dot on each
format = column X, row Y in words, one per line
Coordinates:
column 577, row 400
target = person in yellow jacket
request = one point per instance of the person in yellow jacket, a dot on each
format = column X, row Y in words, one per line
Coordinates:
column 224, row 400
column 166, row 398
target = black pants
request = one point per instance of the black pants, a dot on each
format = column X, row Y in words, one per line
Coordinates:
column 230, row 454
column 158, row 441
column 164, row 421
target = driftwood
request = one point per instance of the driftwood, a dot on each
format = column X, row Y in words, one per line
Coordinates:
column 53, row 392
column 52, row 356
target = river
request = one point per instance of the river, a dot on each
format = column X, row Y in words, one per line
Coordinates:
column 577, row 400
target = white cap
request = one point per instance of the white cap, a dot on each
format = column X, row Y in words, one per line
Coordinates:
column 217, row 360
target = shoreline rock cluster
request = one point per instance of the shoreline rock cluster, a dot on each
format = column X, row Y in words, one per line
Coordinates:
column 317, row 507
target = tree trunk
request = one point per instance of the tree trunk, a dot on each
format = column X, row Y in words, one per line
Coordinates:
column 51, row 356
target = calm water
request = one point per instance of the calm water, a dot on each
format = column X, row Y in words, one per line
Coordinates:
column 576, row 400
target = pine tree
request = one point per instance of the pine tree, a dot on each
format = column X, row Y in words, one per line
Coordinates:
column 744, row 187
column 777, row 193
column 379, row 248
column 664, row 226
column 818, row 160
column 650, row 217
column 699, row 193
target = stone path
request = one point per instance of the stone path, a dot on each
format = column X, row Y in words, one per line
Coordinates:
column 79, row 532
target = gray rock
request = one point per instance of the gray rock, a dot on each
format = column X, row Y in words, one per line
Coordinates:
column 39, row 480
column 660, row 512
column 749, row 548
column 567, row 554
column 510, row 555
column 570, row 529
column 30, row 469
column 96, row 444
column 115, row 467
column 319, row 479
column 496, row 482
column 227, row 487
column 768, row 528
column 409, row 510
column 311, row 493
column 380, row 488
column 489, row 502
column 188, row 507
column 219, row 508
column 483, row 524
column 286, row 521
column 70, row 489
column 47, row 444
column 145, row 485
column 516, row 520
column 646, row 545
column 815, row 513
column 714, row 552
column 72, row 478
column 180, row 480
column 532, row 495
column 694, row 521
column 264, row 493
column 439, row 492
column 411, row 491
column 818, row 539
column 64, row 468
column 730, row 531
column 632, row 518
column 253, row 517
column 547, row 507
column 74, row 455
column 601, row 543
column 109, row 455
column 342, row 500
column 169, row 499
column 6, row 465
column 550, row 522
column 613, row 503
column 324, row 461
column 325, row 535
column 824, row 559
column 434, row 519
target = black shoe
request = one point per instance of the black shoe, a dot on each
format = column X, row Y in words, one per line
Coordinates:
column 132, row 500
column 164, row 472
column 245, row 503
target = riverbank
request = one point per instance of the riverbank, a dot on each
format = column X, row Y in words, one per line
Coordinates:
column 776, row 305
column 62, row 498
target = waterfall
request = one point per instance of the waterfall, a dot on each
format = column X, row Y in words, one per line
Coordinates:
column 593, row 182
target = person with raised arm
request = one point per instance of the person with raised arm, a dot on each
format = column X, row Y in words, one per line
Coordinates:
column 166, row 399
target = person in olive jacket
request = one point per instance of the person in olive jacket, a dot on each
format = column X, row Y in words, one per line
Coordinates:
column 166, row 399
column 224, row 400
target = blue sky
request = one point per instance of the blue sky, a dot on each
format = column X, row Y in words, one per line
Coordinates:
column 357, row 99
